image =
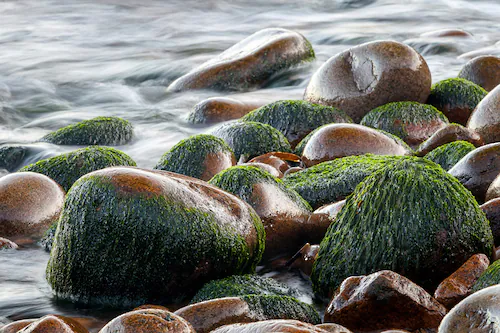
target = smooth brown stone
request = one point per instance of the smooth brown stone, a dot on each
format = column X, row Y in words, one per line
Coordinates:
column 494, row 189
column 383, row 300
column 483, row 71
column 320, row 220
column 53, row 324
column 266, row 167
column 278, row 160
column 457, row 286
column 485, row 119
column 292, row 170
column 7, row 244
column 370, row 75
column 304, row 259
column 29, row 203
column 447, row 33
column 447, row 134
column 340, row 140
column 333, row 328
column 271, row 326
column 150, row 306
column 218, row 109
column 16, row 326
column 477, row 170
column 215, row 163
column 492, row 210
column 148, row 321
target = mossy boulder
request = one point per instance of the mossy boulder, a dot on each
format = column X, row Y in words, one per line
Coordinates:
column 112, row 131
column 200, row 156
column 490, row 277
column 11, row 157
column 249, row 139
column 240, row 285
column 456, row 98
column 411, row 217
column 332, row 181
column 154, row 236
column 65, row 169
column 449, row 154
column 411, row 121
column 296, row 119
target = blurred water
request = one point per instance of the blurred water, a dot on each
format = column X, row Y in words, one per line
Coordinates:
column 62, row 61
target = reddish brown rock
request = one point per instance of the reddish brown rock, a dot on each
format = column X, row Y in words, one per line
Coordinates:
column 333, row 328
column 51, row 324
column 16, row 326
column 293, row 170
column 485, row 119
column 29, row 203
column 447, row 134
column 340, row 140
column 457, row 286
column 147, row 321
column 271, row 326
column 483, row 71
column 370, row 75
column 492, row 210
column 447, row 33
column 219, row 109
column 7, row 244
column 150, row 306
column 279, row 160
column 304, row 259
column 266, row 167
column 320, row 220
column 383, row 300
column 477, row 170
column 494, row 189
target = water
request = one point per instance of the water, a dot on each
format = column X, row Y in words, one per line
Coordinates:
column 65, row 61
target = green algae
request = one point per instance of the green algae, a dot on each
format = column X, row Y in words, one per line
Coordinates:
column 490, row 277
column 449, row 154
column 410, row 217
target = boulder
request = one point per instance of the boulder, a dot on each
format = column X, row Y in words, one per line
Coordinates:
column 449, row 154
column 489, row 277
column 16, row 326
column 492, row 210
column 483, row 71
column 485, row 119
column 322, row 217
column 494, row 189
column 49, row 323
column 148, row 321
column 218, row 109
column 11, row 157
column 447, row 134
column 272, row 326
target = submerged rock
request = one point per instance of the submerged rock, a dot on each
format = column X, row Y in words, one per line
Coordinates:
column 447, row 134
column 483, row 71
column 370, row 75
column 155, row 236
column 449, row 154
column 112, row 131
column 249, row 63
column 485, row 119
column 219, row 109
column 411, row 217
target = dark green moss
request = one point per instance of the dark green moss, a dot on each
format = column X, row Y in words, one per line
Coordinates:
column 449, row 154
column 121, row 248
column 490, row 277
column 188, row 156
column 267, row 307
column 398, row 117
column 332, row 181
column 240, row 285
column 65, row 169
column 96, row 131
column 48, row 237
column 296, row 119
column 250, row 138
column 410, row 217
column 11, row 157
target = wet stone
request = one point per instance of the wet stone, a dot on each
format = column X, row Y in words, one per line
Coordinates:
column 485, row 119
column 449, row 133
column 304, row 259
column 218, row 109
column 271, row 326
column 280, row 161
column 16, row 326
column 11, row 157
column 494, row 189
column 492, row 210
column 333, row 328
column 7, row 244
column 321, row 219
column 447, row 33
column 54, row 323
column 265, row 167
column 483, row 71
column 490, row 277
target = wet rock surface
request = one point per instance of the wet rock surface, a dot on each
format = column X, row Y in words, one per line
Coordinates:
column 218, row 109
column 370, row 75
column 448, row 134
column 16, row 326
column 11, row 157
column 51, row 323
column 383, row 300
column 449, row 154
column 483, row 71
column 492, row 210
column 485, row 119
column 7, row 244
column 333, row 328
column 249, row 63
column 271, row 326
column 304, row 259
column 29, row 204
column 490, row 277
column 494, row 189
column 281, row 161
column 321, row 219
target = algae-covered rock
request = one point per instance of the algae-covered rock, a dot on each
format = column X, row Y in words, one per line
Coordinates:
column 296, row 119
column 129, row 236
column 283, row 211
column 332, row 181
column 200, row 156
column 490, row 277
column 11, row 157
column 240, row 285
column 449, row 154
column 456, row 98
column 411, row 217
column 65, row 169
column 111, row 131
column 250, row 138
column 411, row 121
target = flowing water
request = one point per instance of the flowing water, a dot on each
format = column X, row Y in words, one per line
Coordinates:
column 62, row 61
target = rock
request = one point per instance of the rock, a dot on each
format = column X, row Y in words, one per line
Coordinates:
column 333, row 328
column 383, row 300
column 304, row 259
column 65, row 169
column 219, row 109
column 456, row 98
column 370, row 75
column 112, row 131
column 148, row 321
column 492, row 210
column 447, row 33
column 477, row 313
column 49, row 323
column 29, row 204
column 283, row 211
column 48, row 237
column 411, row 217
column 333, row 181
column 250, row 139
column 322, row 218
column 271, row 326
column 447, row 134
column 483, row 71
column 11, row 157
column 265, row 167
column 458, row 285
column 340, row 140
column 199, row 156
column 292, row 170
column 241, row 285
column 296, row 119
column 490, row 277
column 150, row 306
column 280, row 161
column 208, row 315
column 477, row 170
column 249, row 63
column 155, row 236
column 494, row 189
column 449, row 154
column 411, row 121
column 485, row 119
column 16, row 326
column 7, row 244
